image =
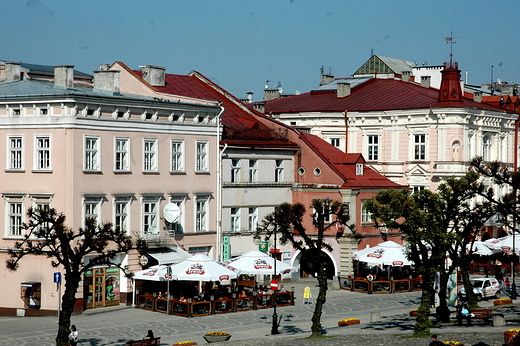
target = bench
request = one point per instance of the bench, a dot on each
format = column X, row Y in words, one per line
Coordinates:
column 481, row 314
column 145, row 342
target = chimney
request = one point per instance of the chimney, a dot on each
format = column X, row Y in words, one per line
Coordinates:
column 450, row 90
column 326, row 79
column 64, row 76
column 477, row 96
column 343, row 89
column 406, row 76
column 155, row 75
column 107, row 80
column 103, row 67
column 250, row 97
column 271, row 94
column 259, row 106
column 12, row 71
column 425, row 81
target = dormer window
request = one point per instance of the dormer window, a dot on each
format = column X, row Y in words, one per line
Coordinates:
column 359, row 169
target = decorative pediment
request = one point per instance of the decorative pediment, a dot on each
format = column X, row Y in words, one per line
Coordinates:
column 417, row 171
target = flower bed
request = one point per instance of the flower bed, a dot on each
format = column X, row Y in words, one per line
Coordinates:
column 453, row 343
column 502, row 301
column 509, row 334
column 185, row 343
column 348, row 322
column 211, row 337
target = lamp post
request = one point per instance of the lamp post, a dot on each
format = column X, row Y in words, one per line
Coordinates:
column 513, row 284
column 274, row 328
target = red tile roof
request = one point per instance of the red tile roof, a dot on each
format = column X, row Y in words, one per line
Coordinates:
column 239, row 125
column 375, row 94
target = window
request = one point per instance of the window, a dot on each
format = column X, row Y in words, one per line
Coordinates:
column 278, row 171
column 122, row 155
column 92, row 153
column 150, row 215
column 122, row 214
column 15, row 212
column 486, row 144
column 43, row 153
column 419, row 147
column 418, row 188
column 150, row 155
column 235, row 170
column 202, row 156
column 42, row 203
column 92, row 209
column 15, row 152
column 253, row 219
column 359, row 169
column 201, row 222
column 365, row 215
column 373, row 147
column 177, row 164
column 178, row 227
column 235, row 220
column 335, row 142
column 253, row 171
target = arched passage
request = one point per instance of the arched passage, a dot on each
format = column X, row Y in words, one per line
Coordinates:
column 302, row 263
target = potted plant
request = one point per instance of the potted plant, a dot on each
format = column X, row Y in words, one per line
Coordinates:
column 453, row 343
column 348, row 322
column 502, row 301
column 413, row 312
column 509, row 334
column 211, row 337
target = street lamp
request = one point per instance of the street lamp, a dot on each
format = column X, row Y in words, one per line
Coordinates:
column 513, row 284
column 256, row 240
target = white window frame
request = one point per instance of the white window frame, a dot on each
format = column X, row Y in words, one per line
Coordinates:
column 122, row 154
column 201, row 156
column 236, row 165
column 372, row 147
column 150, row 214
column 150, row 154
column 42, row 152
column 253, row 170
column 177, row 155
column 15, row 152
column 235, row 220
column 486, row 147
column 179, row 226
column 92, row 208
column 335, row 142
column 365, row 215
column 122, row 213
column 419, row 146
column 45, row 203
column 92, row 153
column 278, row 171
column 252, row 219
column 201, row 213
column 14, row 216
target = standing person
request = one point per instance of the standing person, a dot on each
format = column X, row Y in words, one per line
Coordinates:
column 436, row 342
column 73, row 336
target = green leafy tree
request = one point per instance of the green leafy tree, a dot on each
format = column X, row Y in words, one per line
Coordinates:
column 47, row 235
column 288, row 220
column 435, row 225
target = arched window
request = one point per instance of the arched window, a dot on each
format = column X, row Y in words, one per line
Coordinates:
column 486, row 143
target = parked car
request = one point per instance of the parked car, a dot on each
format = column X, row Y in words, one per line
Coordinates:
column 483, row 288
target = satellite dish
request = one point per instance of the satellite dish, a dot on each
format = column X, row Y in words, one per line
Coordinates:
column 171, row 212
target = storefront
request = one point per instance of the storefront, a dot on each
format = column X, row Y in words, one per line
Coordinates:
column 102, row 287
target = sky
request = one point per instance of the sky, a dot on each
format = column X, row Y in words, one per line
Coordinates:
column 240, row 44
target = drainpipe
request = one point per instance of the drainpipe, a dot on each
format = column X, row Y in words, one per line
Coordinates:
column 345, row 113
column 219, row 188
column 515, row 159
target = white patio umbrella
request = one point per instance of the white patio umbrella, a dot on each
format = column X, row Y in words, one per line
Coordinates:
column 386, row 253
column 155, row 273
column 257, row 263
column 505, row 243
column 201, row 268
column 479, row 248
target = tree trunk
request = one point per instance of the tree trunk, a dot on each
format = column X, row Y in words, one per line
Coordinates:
column 465, row 262
column 322, row 297
column 422, row 323
column 442, row 310
column 67, row 308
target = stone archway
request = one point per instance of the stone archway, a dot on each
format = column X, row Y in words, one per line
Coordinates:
column 302, row 263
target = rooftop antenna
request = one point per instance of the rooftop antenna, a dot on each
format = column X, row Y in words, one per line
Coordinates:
column 267, row 84
column 451, row 42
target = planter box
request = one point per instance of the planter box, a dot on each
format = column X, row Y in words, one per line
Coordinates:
column 190, row 344
column 502, row 302
column 347, row 323
column 508, row 336
column 211, row 339
column 413, row 313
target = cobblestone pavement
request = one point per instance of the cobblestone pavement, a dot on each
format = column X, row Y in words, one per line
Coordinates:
column 115, row 326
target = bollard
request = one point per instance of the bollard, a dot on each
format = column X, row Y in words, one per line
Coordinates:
column 375, row 316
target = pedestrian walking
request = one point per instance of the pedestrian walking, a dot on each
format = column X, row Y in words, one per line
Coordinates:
column 73, row 336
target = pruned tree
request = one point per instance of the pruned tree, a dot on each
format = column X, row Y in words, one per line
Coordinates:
column 46, row 234
column 287, row 219
column 435, row 226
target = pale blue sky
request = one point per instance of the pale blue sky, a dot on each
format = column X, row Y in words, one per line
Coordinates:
column 242, row 43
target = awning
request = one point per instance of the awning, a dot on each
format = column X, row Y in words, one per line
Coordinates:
column 169, row 255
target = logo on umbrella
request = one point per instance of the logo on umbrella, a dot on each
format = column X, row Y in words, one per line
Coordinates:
column 196, row 268
column 378, row 253
column 223, row 277
column 261, row 264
